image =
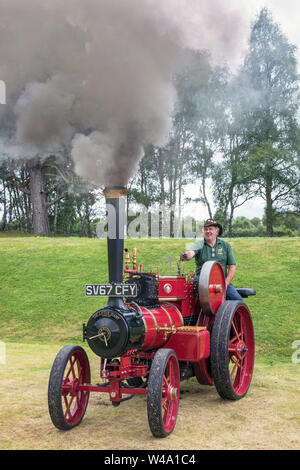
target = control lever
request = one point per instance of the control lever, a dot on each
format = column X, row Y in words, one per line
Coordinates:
column 183, row 256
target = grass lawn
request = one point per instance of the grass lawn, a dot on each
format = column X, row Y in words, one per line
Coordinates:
column 43, row 306
column 42, row 286
column 267, row 418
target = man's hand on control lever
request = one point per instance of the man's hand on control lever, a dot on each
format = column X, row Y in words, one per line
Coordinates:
column 187, row 255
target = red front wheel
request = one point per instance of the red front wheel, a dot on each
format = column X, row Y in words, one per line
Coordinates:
column 67, row 405
column 163, row 393
column 232, row 350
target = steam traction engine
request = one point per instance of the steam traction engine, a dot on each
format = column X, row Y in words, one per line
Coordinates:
column 174, row 328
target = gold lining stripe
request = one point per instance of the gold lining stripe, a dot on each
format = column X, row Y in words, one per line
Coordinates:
column 170, row 319
column 156, row 327
column 146, row 329
column 194, row 329
column 180, row 276
column 178, row 311
column 174, row 299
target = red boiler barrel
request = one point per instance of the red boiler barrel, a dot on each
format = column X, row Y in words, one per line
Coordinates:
column 160, row 323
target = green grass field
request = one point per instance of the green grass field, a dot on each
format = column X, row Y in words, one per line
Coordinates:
column 42, row 286
column 43, row 306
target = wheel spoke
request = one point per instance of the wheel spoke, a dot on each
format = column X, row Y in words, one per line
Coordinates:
column 80, row 373
column 68, row 404
column 71, row 367
column 233, row 340
column 237, row 365
column 235, row 330
column 163, row 400
column 232, row 366
column 242, row 332
column 231, row 347
column 73, row 363
column 165, row 380
column 165, row 403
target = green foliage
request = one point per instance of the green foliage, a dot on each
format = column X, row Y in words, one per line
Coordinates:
column 285, row 225
column 271, row 106
column 240, row 132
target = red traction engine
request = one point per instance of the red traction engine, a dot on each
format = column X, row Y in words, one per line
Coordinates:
column 174, row 329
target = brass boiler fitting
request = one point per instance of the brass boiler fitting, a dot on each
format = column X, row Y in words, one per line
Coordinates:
column 140, row 268
column 134, row 252
column 127, row 258
column 167, row 329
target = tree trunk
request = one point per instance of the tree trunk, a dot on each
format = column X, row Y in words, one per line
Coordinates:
column 230, row 220
column 173, row 203
column 205, row 197
column 55, row 219
column 38, row 199
column 162, row 197
column 10, row 208
column 4, row 220
column 229, row 202
column 269, row 217
column 28, row 215
column 88, row 220
column 82, row 228
column 269, row 202
column 68, row 227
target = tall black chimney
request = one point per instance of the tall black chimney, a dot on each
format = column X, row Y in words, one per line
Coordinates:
column 116, row 328
column 115, row 206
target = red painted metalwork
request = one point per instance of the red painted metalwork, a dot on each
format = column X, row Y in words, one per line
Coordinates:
column 217, row 291
column 113, row 386
column 74, row 400
column 175, row 284
column 202, row 368
column 170, row 393
column 211, row 287
column 241, row 350
column 191, row 344
column 126, row 367
column 160, row 323
column 180, row 321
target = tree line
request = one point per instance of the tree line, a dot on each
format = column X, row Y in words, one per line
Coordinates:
column 238, row 133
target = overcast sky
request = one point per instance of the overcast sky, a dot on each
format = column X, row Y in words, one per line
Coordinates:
column 287, row 14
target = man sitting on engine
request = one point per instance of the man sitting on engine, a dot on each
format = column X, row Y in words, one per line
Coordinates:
column 212, row 248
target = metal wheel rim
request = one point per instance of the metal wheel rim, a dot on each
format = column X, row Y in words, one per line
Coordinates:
column 170, row 394
column 211, row 273
column 241, row 350
column 73, row 401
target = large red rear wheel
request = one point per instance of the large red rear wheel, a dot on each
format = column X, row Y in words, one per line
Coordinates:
column 232, row 350
column 67, row 405
column 163, row 393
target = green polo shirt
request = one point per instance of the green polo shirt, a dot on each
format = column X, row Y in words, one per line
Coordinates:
column 221, row 252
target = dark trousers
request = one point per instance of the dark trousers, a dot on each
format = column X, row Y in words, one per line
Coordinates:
column 232, row 293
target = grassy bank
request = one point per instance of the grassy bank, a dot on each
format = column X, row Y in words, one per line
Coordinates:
column 42, row 282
